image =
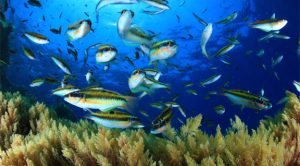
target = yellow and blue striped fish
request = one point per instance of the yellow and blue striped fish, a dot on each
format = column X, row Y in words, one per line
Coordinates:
column 115, row 119
column 247, row 99
column 159, row 124
column 99, row 98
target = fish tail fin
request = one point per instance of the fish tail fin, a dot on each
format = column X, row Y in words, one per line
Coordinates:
column 202, row 84
column 204, row 52
column 151, row 37
column 131, row 104
column 70, row 38
column 151, row 61
column 168, row 88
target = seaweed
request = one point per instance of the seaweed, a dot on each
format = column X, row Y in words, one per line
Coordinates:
column 33, row 134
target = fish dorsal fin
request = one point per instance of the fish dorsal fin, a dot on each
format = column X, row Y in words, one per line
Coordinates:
column 94, row 88
column 156, row 77
column 75, row 25
column 273, row 16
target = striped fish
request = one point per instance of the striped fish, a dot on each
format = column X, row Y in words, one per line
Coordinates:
column 115, row 119
column 229, row 18
column 247, row 99
column 210, row 80
column 37, row 82
column 225, row 50
column 159, row 124
column 36, row 38
column 29, row 54
column 79, row 29
column 269, row 25
column 99, row 98
column 61, row 64
column 219, row 109
column 163, row 50
column 63, row 91
column 125, row 21
column 106, row 53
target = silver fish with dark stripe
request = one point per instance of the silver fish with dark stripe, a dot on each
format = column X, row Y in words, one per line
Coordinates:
column 161, row 123
column 115, row 119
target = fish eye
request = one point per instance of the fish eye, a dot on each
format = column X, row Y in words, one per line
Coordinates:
column 170, row 44
column 135, row 72
column 123, row 11
column 261, row 101
column 75, row 94
column 89, row 22
column 132, row 13
column 106, row 49
column 133, row 119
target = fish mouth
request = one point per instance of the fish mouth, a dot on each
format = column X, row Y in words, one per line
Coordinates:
column 175, row 47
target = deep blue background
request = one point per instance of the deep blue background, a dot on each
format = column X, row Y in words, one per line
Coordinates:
column 245, row 71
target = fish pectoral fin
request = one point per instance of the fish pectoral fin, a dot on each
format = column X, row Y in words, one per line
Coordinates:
column 87, row 109
column 273, row 17
column 156, row 77
column 142, row 95
column 131, row 104
column 202, row 84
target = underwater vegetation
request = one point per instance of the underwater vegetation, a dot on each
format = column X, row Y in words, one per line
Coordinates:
column 33, row 134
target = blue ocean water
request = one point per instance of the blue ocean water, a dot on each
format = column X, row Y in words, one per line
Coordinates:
column 244, row 72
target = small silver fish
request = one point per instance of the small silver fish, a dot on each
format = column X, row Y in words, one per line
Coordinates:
column 276, row 61
column 260, row 53
column 90, row 77
column 210, row 80
column 262, row 92
column 220, row 110
column 61, row 64
column 37, row 38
